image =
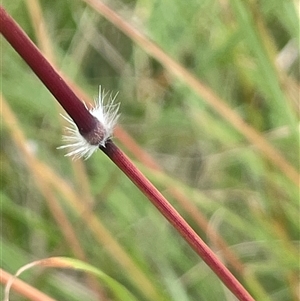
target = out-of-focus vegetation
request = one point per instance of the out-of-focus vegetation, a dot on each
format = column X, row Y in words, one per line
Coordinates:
column 247, row 53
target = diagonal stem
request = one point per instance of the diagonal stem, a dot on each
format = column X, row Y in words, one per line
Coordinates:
column 177, row 221
column 18, row 39
column 86, row 124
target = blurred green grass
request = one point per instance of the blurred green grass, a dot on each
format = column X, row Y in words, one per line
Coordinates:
column 233, row 47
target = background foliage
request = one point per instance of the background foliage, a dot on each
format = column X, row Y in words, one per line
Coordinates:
column 247, row 53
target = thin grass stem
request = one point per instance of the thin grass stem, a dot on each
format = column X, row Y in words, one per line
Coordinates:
column 88, row 127
column 170, row 213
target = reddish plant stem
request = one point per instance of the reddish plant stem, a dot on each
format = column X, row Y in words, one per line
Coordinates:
column 170, row 213
column 85, row 122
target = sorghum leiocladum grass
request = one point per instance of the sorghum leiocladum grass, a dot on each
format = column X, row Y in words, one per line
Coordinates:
column 94, row 132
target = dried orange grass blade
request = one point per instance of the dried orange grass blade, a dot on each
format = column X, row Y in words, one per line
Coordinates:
column 24, row 289
column 119, row 291
column 55, row 262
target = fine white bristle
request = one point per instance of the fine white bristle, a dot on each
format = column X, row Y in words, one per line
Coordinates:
column 106, row 113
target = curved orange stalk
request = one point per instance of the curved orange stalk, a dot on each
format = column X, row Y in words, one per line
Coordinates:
column 23, row 288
